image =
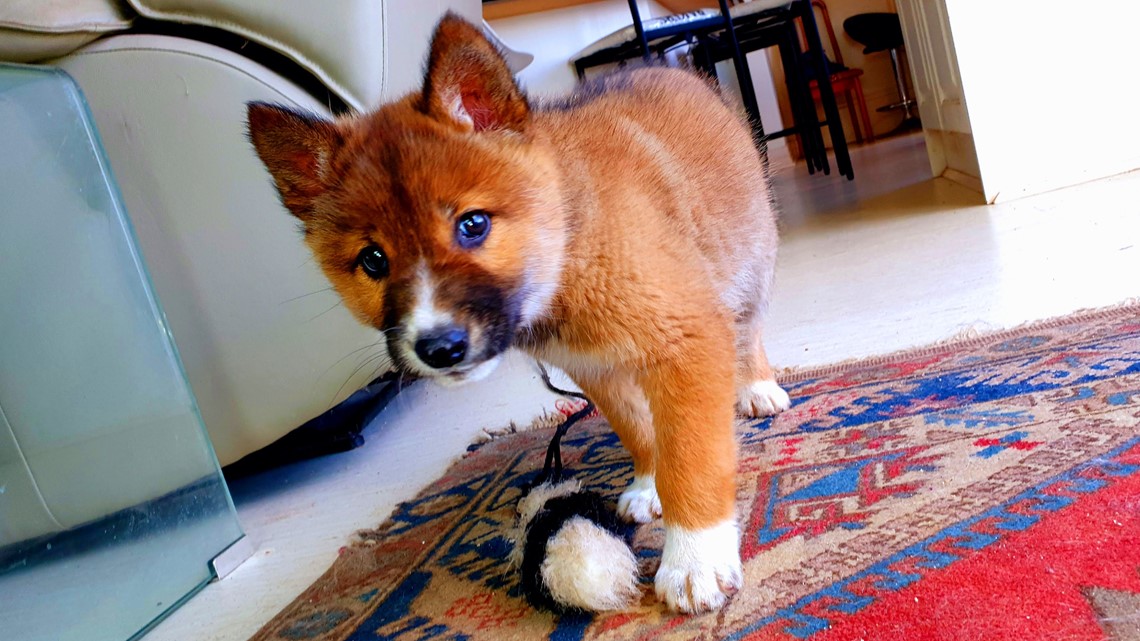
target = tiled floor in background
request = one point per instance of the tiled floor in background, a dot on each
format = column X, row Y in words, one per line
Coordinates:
column 891, row 260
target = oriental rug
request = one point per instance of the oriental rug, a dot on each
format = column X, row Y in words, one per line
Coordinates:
column 986, row 488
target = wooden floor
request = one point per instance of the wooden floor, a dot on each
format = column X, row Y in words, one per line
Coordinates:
column 891, row 260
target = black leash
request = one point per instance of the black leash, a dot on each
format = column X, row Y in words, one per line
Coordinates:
column 552, row 470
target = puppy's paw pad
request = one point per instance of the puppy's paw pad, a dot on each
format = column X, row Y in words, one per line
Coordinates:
column 699, row 570
column 639, row 502
column 762, row 398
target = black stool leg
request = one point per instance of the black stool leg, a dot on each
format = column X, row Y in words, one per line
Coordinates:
column 807, row 125
column 799, row 123
column 637, row 27
column 826, row 93
column 744, row 79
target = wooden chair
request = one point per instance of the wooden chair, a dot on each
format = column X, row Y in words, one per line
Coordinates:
column 845, row 81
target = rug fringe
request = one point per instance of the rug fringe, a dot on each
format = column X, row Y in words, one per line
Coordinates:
column 546, row 420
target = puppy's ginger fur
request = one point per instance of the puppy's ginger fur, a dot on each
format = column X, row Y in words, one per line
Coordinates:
column 632, row 244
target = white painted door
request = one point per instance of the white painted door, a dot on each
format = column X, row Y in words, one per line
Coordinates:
column 938, row 89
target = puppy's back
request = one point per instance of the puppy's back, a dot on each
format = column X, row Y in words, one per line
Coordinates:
column 660, row 145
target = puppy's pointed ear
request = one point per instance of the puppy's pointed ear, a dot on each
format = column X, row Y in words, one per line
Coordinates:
column 295, row 148
column 468, row 83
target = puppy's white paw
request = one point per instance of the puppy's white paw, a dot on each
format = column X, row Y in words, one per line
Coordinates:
column 700, row 569
column 639, row 502
column 762, row 398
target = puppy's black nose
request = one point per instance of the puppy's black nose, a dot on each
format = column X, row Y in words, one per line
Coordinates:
column 443, row 347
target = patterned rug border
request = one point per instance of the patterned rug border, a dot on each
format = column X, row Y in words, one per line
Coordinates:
column 1044, row 496
column 964, row 339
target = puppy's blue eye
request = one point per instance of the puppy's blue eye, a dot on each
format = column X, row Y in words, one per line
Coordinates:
column 472, row 228
column 373, row 261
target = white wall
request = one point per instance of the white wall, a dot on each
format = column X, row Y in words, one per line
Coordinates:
column 765, row 88
column 1050, row 90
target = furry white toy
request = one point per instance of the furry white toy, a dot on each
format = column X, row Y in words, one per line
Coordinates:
column 571, row 552
column 570, row 548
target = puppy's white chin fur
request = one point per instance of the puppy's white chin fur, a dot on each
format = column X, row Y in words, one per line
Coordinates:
column 477, row 373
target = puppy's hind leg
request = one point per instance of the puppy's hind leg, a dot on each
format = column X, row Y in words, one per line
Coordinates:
column 757, row 392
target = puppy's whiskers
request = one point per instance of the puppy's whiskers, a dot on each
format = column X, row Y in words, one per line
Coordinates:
column 296, row 298
column 334, row 306
column 382, row 357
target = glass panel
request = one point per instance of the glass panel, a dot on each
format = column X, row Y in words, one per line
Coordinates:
column 111, row 501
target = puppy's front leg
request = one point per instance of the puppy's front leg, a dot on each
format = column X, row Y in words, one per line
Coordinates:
column 691, row 395
column 621, row 400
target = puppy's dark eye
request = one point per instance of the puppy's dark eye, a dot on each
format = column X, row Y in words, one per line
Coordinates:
column 373, row 261
column 472, row 228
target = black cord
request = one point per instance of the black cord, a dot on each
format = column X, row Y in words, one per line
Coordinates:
column 552, row 387
column 552, row 469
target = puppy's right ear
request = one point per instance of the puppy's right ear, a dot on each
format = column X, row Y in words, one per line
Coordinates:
column 296, row 149
column 468, row 84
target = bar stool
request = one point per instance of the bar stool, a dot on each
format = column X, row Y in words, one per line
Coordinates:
column 883, row 32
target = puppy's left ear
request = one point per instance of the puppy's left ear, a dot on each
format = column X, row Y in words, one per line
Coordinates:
column 468, row 83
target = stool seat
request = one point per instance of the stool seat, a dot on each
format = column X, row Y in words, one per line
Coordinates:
column 875, row 31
